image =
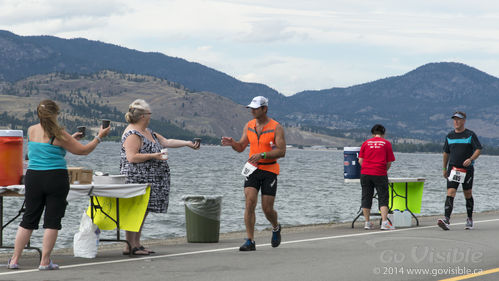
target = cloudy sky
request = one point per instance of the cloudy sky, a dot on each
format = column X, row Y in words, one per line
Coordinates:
column 289, row 45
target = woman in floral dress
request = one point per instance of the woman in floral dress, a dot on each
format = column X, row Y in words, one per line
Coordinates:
column 143, row 162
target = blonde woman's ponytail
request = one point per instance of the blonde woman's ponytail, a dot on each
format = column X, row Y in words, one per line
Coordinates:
column 47, row 113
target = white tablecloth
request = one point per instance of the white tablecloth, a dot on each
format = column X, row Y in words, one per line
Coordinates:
column 104, row 190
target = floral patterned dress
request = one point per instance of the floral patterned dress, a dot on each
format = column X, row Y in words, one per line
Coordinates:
column 154, row 172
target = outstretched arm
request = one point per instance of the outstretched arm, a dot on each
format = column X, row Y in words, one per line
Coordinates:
column 72, row 145
column 174, row 143
column 240, row 145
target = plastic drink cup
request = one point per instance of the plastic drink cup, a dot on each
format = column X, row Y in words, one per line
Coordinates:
column 105, row 123
column 164, row 151
column 82, row 130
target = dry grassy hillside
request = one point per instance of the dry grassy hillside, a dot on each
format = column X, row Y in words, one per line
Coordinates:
column 201, row 112
column 84, row 97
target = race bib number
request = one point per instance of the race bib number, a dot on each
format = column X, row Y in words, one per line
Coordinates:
column 248, row 169
column 457, row 175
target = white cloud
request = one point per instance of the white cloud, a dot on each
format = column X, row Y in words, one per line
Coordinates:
column 65, row 18
column 29, row 11
column 290, row 45
column 204, row 48
column 267, row 31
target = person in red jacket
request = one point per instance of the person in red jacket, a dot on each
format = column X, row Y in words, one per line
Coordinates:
column 375, row 157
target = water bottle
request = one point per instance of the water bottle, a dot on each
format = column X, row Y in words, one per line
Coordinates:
column 272, row 145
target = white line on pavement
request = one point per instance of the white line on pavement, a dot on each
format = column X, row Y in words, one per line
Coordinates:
column 235, row 248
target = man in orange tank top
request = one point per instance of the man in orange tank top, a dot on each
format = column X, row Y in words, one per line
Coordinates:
column 267, row 143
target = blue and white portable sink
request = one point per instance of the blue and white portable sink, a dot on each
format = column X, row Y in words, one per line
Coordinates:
column 401, row 218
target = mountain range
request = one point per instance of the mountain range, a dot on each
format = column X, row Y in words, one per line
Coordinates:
column 417, row 104
column 84, row 99
column 413, row 106
column 24, row 56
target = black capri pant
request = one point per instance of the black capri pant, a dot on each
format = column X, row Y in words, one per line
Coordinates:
column 368, row 184
column 45, row 190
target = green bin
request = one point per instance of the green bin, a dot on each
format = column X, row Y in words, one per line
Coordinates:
column 202, row 218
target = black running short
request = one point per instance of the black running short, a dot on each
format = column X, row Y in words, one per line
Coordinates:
column 468, row 180
column 369, row 183
column 265, row 180
column 45, row 190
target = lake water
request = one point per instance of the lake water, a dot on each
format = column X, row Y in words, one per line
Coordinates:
column 311, row 189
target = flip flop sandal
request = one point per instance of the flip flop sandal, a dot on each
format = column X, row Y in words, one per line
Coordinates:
column 137, row 249
column 12, row 266
column 144, row 249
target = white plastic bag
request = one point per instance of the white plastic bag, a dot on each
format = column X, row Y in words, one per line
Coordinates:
column 86, row 241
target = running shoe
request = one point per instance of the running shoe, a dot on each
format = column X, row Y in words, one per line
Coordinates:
column 248, row 245
column 469, row 223
column 444, row 223
column 369, row 225
column 276, row 237
column 387, row 225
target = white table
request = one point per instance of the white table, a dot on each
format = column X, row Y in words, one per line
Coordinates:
column 128, row 190
column 77, row 190
column 111, row 191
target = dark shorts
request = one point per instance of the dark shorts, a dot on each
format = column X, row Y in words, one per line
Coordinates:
column 265, row 180
column 369, row 183
column 45, row 190
column 468, row 180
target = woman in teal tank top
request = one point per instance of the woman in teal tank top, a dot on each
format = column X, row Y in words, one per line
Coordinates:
column 46, row 181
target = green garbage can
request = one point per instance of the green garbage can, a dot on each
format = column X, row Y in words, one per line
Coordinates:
column 202, row 218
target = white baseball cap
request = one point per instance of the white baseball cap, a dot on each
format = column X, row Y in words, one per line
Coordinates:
column 258, row 102
column 459, row 114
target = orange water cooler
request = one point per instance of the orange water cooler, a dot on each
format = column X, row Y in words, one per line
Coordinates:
column 11, row 157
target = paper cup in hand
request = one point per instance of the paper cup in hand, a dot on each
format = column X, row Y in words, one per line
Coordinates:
column 248, row 169
column 164, row 151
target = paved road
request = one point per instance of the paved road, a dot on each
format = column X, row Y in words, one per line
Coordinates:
column 324, row 252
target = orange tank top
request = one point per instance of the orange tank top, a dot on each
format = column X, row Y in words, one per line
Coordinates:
column 262, row 143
